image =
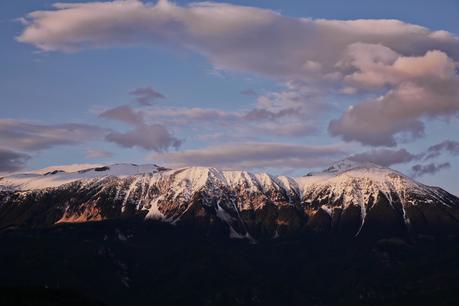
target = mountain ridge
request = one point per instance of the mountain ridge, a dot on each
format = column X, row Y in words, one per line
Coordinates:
column 348, row 198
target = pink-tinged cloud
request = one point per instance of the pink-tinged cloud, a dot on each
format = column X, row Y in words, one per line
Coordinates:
column 231, row 36
column 423, row 87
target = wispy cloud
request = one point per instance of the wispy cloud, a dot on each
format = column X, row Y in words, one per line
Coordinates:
column 432, row 168
column 385, row 157
column 28, row 136
column 146, row 95
column 450, row 146
column 12, row 161
column 254, row 156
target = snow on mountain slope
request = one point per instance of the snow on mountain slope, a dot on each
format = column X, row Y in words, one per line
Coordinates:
column 347, row 185
column 347, row 197
column 346, row 165
column 357, row 182
column 66, row 168
column 59, row 175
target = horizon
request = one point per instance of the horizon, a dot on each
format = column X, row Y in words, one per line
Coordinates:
column 284, row 88
column 70, row 168
column 77, row 167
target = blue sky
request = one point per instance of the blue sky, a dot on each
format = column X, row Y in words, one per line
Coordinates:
column 233, row 96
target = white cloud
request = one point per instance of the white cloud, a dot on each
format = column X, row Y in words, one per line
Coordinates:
column 251, row 123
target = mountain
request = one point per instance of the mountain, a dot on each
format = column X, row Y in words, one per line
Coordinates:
column 347, row 199
column 354, row 234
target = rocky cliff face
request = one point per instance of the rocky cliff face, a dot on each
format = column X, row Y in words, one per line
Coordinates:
column 347, row 199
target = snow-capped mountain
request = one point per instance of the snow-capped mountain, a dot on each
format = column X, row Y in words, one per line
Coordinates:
column 59, row 175
column 348, row 198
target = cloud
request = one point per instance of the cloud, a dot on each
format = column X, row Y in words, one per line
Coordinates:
column 231, row 36
column 188, row 115
column 146, row 95
column 253, row 156
column 264, row 114
column 151, row 137
column 169, row 115
column 249, row 123
column 423, row 87
column 299, row 100
column 410, row 68
column 28, row 136
column 12, row 161
column 291, row 129
column 432, row 168
column 25, row 136
column 123, row 113
column 97, row 153
column 389, row 157
column 450, row 146
column 385, row 157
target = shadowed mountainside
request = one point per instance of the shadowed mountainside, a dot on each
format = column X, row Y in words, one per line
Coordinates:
column 133, row 262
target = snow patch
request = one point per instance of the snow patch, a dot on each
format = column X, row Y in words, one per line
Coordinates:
column 60, row 175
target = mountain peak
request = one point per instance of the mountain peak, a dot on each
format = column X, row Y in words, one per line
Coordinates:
column 345, row 165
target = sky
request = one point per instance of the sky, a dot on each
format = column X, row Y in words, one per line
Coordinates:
column 285, row 87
